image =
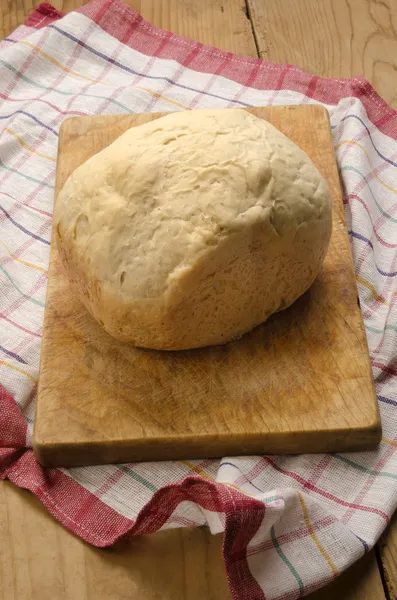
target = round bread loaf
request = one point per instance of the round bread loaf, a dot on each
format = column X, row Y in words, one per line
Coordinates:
column 192, row 229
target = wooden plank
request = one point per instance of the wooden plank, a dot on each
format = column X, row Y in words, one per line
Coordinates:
column 220, row 23
column 40, row 560
column 308, row 348
column 15, row 12
column 338, row 38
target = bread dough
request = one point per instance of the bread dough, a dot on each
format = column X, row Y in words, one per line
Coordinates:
column 193, row 228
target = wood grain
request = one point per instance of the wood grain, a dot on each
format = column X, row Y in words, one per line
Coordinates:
column 220, row 23
column 362, row 581
column 291, row 385
column 40, row 560
column 15, row 12
column 331, row 38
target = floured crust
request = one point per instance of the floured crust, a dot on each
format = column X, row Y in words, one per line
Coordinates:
column 192, row 229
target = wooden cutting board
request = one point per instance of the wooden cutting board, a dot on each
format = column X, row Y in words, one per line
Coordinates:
column 301, row 382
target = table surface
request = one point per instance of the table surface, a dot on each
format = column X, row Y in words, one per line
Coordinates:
column 39, row 559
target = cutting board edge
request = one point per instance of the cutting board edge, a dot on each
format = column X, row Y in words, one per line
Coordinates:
column 84, row 453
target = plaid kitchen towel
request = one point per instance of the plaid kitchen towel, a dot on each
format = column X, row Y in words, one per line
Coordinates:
column 291, row 523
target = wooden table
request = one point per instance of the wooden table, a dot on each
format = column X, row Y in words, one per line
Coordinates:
column 39, row 559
